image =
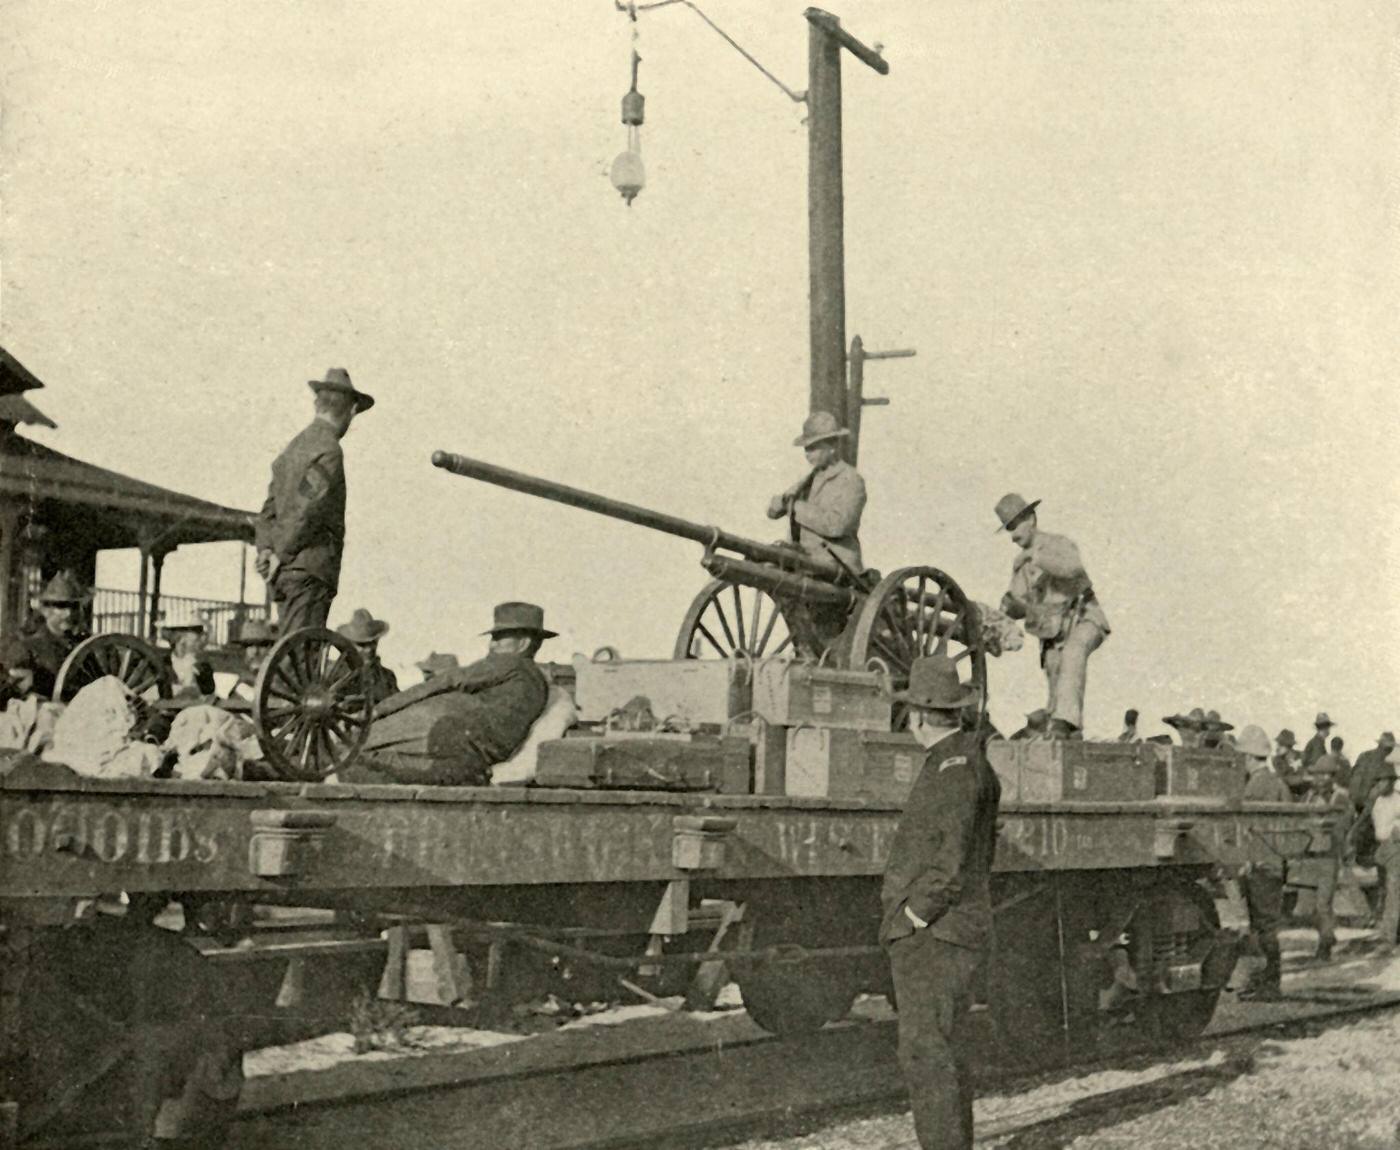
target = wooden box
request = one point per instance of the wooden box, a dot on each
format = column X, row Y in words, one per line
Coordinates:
column 1067, row 770
column 1005, row 759
column 646, row 763
column 825, row 763
column 694, row 691
column 1200, row 772
column 796, row 694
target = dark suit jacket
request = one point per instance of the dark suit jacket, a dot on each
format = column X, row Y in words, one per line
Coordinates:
column 303, row 518
column 42, row 652
column 941, row 859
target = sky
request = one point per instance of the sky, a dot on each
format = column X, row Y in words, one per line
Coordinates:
column 1147, row 254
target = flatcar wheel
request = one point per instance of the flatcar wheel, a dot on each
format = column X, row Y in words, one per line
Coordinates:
column 134, row 662
column 311, row 704
column 912, row 612
column 1180, row 925
column 725, row 620
column 795, row 997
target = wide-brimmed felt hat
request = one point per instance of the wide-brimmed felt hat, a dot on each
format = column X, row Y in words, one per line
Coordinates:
column 1195, row 721
column 1322, row 720
column 1011, row 508
column 1039, row 715
column 1387, row 739
column 63, row 589
column 525, row 617
column 438, row 663
column 255, row 633
column 934, row 686
column 338, row 380
column 1253, row 741
column 1286, row 738
column 1213, row 722
column 363, row 627
column 818, row 426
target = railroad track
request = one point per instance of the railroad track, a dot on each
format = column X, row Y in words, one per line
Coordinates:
column 739, row 1084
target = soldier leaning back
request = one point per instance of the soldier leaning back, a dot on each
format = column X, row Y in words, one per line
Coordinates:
column 301, row 529
column 936, row 899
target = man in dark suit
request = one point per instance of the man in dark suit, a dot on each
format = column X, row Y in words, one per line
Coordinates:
column 937, row 900
column 301, row 529
column 451, row 730
column 33, row 657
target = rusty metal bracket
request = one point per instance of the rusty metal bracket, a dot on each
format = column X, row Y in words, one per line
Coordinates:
column 284, row 842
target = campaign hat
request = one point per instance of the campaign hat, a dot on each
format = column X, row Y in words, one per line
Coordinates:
column 1012, row 508
column 818, row 426
column 525, row 617
column 338, row 380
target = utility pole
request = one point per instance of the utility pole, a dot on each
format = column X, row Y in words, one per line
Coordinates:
column 825, row 208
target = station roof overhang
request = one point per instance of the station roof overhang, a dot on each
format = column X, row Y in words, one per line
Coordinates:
column 15, row 379
column 115, row 510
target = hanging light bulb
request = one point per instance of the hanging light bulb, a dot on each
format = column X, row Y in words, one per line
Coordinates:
column 629, row 174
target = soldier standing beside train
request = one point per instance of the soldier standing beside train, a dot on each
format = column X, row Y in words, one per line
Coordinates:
column 1263, row 881
column 936, row 899
column 301, row 528
column 1052, row 592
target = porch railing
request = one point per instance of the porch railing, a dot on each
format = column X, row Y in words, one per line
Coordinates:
column 120, row 611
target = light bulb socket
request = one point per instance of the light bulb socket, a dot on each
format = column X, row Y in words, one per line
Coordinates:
column 634, row 108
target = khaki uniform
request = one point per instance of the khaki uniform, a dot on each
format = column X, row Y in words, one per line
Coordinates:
column 940, row 870
column 1053, row 593
column 1316, row 747
column 825, row 509
column 1262, row 884
column 303, row 523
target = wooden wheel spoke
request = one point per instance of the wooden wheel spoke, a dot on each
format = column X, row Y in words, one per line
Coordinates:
column 739, row 618
column 282, row 672
column 705, row 632
column 339, row 673
column 783, row 646
column 757, row 618
column 124, row 665
column 898, row 629
column 724, row 625
column 923, row 603
column 762, row 643
column 934, row 627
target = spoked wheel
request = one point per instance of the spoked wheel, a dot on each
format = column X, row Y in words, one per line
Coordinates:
column 912, row 612
column 726, row 619
column 311, row 704
column 135, row 663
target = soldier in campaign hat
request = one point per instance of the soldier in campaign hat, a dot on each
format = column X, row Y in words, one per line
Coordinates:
column 1316, row 747
column 256, row 637
column 191, row 674
column 33, row 657
column 365, row 631
column 1214, row 730
column 1189, row 728
column 937, row 911
column 1053, row 593
column 493, row 704
column 824, row 506
column 1363, row 774
column 1262, row 882
column 301, row 528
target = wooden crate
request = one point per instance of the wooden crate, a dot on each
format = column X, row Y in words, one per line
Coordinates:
column 1200, row 772
column 1067, row 770
column 1005, row 758
column 696, row 691
column 822, row 762
column 647, row 762
column 799, row 694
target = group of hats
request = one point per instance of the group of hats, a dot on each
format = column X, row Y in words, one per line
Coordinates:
column 1198, row 720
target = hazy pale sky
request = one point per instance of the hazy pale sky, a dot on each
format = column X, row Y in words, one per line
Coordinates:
column 1147, row 254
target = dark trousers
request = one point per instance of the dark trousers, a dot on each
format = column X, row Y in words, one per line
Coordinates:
column 302, row 601
column 1263, row 894
column 467, row 769
column 933, row 982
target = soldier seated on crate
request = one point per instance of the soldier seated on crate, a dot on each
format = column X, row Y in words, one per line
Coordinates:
column 824, row 506
column 33, row 657
column 451, row 730
column 365, row 631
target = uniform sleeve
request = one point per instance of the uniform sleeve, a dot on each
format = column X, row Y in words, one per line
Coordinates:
column 1058, row 557
column 466, row 680
column 324, row 473
column 839, row 509
column 265, row 533
column 948, row 831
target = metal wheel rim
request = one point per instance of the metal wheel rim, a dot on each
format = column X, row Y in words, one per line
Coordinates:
column 719, row 625
column 901, row 619
column 311, row 704
column 133, row 661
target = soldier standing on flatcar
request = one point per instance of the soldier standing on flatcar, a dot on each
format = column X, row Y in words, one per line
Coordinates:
column 301, row 529
column 1189, row 728
column 1329, row 791
column 1214, row 729
column 34, row 656
column 824, row 506
column 1129, row 733
column 937, row 902
column 1363, row 774
column 1052, row 592
column 1263, row 881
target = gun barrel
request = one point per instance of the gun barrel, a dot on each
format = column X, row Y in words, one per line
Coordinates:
column 710, row 537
